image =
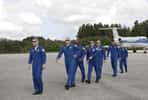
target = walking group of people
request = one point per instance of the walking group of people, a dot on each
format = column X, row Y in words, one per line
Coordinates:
column 74, row 55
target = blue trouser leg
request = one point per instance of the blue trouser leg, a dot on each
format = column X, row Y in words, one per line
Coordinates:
column 75, row 64
column 90, row 66
column 40, row 83
column 121, row 65
column 71, row 71
column 35, row 85
column 100, row 70
column 82, row 69
column 125, row 64
column 37, row 80
column 67, row 66
column 96, row 71
column 114, row 66
column 69, row 77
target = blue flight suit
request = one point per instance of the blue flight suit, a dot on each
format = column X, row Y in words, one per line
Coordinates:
column 114, row 50
column 91, row 63
column 37, row 58
column 123, row 54
column 70, row 62
column 77, row 52
column 100, row 56
column 80, row 62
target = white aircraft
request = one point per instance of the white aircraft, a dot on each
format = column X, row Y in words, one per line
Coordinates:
column 129, row 42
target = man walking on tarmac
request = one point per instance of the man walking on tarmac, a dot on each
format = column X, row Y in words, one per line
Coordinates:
column 114, row 51
column 37, row 58
column 80, row 60
column 71, row 53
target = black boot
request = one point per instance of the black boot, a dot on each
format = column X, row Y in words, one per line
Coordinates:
column 83, row 80
column 37, row 93
column 88, row 81
column 126, row 71
column 121, row 72
column 74, row 85
column 97, row 81
column 67, row 87
column 114, row 75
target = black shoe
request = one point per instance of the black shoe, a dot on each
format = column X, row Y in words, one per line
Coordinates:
column 73, row 85
column 97, row 81
column 121, row 72
column 83, row 80
column 114, row 75
column 126, row 71
column 67, row 87
column 37, row 93
column 88, row 81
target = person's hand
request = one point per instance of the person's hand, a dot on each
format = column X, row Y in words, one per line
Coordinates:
column 119, row 58
column 75, row 56
column 90, row 58
column 80, row 59
column 44, row 66
column 29, row 66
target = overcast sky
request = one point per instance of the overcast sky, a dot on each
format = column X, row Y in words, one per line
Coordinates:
column 58, row 19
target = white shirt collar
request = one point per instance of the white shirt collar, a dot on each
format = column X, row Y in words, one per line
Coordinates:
column 36, row 47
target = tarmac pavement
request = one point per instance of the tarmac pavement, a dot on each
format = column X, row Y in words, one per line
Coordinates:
column 16, row 81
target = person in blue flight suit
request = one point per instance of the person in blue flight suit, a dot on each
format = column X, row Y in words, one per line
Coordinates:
column 100, row 57
column 114, row 51
column 123, row 55
column 91, row 62
column 70, row 53
column 77, row 53
column 80, row 60
column 37, row 58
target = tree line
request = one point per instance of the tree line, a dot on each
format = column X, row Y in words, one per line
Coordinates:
column 89, row 32
column 11, row 46
column 86, row 32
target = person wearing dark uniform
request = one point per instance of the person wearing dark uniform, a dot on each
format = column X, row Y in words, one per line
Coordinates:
column 100, row 57
column 37, row 58
column 123, row 55
column 114, row 51
column 71, row 54
column 80, row 60
column 91, row 62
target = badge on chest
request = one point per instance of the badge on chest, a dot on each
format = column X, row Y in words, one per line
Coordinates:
column 36, row 50
column 93, row 50
column 70, row 47
column 98, row 49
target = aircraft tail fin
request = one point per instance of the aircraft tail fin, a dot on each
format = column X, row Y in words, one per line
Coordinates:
column 116, row 36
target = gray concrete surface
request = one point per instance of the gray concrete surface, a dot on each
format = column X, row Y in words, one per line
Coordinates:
column 16, row 81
